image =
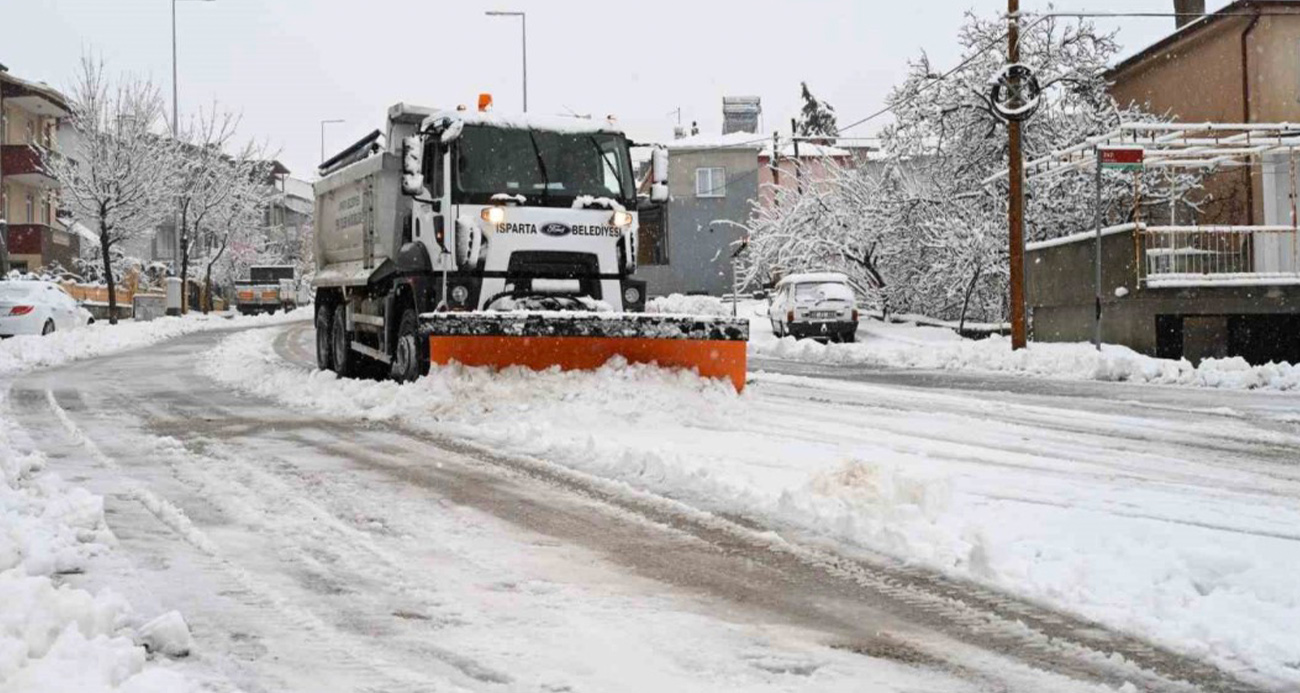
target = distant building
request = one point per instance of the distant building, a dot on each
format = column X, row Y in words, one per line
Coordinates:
column 712, row 181
column 29, row 121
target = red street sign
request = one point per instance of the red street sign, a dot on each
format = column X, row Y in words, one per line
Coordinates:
column 1122, row 158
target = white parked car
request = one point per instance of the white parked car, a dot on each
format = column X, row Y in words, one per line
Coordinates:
column 32, row 307
column 817, row 306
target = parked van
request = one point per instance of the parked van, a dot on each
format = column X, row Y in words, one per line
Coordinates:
column 817, row 306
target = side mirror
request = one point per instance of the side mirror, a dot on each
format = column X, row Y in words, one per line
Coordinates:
column 659, row 175
column 412, row 166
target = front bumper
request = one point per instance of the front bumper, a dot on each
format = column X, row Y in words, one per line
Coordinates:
column 823, row 330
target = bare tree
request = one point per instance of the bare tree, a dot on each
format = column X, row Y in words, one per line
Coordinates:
column 203, row 184
column 239, row 218
column 119, row 176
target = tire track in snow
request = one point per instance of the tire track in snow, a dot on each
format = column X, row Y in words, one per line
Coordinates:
column 388, row 677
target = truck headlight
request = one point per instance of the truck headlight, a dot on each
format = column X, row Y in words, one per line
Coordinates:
column 622, row 218
column 494, row 215
column 459, row 294
column 631, row 295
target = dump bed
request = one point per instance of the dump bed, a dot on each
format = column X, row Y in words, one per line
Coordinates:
column 358, row 214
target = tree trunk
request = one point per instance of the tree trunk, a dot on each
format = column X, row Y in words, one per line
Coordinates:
column 970, row 289
column 207, row 277
column 185, row 261
column 108, row 272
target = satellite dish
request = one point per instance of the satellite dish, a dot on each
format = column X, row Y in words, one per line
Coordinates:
column 1015, row 93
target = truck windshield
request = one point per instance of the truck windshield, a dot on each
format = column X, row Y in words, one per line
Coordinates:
column 545, row 166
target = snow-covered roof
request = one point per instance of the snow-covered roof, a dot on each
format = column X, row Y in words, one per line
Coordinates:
column 296, row 187
column 566, row 124
column 81, row 231
column 806, row 150
column 814, row 278
column 736, row 140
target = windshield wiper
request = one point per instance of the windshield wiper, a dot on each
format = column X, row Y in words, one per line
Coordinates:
column 541, row 167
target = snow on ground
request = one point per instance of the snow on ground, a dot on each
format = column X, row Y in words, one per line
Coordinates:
column 1143, row 520
column 25, row 353
column 54, row 637
column 903, row 345
column 679, row 304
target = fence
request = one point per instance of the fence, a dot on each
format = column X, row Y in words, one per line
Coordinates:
column 1171, row 256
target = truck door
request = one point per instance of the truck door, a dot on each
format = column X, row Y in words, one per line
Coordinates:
column 432, row 222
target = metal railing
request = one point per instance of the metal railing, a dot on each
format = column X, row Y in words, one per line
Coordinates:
column 1171, row 256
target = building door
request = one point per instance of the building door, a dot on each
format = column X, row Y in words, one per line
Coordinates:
column 1278, row 251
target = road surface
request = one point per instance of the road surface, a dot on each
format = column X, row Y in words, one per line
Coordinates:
column 313, row 554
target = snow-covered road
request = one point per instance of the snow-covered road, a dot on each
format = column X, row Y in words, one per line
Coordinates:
column 887, row 519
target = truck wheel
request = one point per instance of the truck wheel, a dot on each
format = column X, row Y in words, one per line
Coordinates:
column 324, row 338
column 345, row 362
column 411, row 355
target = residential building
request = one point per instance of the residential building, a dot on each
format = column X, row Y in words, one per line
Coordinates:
column 1236, row 65
column 800, row 166
column 1224, row 281
column 712, row 183
column 29, row 120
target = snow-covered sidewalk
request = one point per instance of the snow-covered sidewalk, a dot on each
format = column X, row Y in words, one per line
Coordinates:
column 904, row 345
column 1174, row 525
column 26, row 353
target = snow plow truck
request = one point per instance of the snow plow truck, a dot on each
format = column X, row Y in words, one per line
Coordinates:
column 495, row 240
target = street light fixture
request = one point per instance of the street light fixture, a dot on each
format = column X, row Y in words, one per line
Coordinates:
column 523, row 16
column 323, row 123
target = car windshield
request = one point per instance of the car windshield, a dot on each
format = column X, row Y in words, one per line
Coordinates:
column 545, row 166
column 823, row 291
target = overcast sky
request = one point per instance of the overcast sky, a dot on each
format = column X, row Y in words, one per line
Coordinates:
column 288, row 64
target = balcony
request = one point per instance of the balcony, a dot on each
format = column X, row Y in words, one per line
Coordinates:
column 25, row 164
column 1195, row 256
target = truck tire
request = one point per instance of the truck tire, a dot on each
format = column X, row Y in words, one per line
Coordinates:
column 345, row 361
column 324, row 338
column 410, row 354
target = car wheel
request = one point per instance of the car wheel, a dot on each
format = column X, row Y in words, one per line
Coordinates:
column 324, row 338
column 48, row 328
column 850, row 338
column 345, row 362
column 410, row 357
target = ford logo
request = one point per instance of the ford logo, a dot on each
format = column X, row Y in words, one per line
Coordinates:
column 555, row 228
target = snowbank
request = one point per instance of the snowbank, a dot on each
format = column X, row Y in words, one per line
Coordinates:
column 54, row 637
column 31, row 352
column 678, row 304
column 924, row 481
column 913, row 346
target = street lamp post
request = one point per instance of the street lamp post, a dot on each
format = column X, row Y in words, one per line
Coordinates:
column 323, row 123
column 175, row 99
column 176, row 232
column 523, row 16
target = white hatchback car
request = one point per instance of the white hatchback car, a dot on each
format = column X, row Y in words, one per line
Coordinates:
column 38, row 308
column 817, row 306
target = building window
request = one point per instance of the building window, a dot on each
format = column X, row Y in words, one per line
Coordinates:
column 710, row 182
column 31, row 132
column 31, row 209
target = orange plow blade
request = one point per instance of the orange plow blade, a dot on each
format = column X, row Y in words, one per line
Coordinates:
column 713, row 347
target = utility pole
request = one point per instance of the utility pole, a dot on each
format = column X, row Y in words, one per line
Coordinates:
column 1016, row 214
column 798, row 163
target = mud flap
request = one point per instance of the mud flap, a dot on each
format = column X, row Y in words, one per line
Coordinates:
column 713, row 347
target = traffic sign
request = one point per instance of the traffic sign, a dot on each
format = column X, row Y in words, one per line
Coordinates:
column 1122, row 158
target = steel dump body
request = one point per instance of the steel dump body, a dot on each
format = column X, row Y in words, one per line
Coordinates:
column 358, row 221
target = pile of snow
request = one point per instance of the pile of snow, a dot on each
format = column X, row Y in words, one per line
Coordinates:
column 54, row 637
column 1053, row 521
column 25, row 353
column 677, row 304
column 932, row 348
